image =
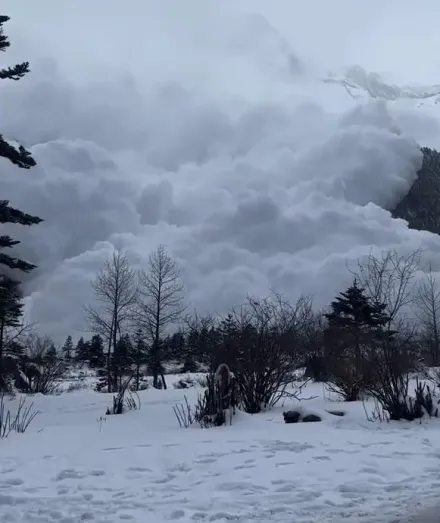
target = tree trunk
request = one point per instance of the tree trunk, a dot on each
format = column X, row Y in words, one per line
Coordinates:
column 3, row 386
column 137, row 375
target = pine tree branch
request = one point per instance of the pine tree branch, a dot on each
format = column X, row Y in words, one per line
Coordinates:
column 4, row 43
column 20, row 157
column 10, row 215
column 7, row 241
column 15, row 72
column 15, row 263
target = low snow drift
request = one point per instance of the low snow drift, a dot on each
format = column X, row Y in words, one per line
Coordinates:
column 73, row 464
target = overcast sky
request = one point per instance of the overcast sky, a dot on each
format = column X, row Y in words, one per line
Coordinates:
column 193, row 124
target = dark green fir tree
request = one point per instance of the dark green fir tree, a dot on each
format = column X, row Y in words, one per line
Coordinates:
column 10, row 295
column 96, row 352
column 67, row 349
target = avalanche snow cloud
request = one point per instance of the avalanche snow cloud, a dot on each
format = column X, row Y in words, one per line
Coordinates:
column 199, row 127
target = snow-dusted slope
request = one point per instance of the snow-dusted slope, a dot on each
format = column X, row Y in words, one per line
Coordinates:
column 360, row 84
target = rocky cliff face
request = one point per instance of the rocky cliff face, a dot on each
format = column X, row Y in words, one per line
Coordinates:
column 421, row 206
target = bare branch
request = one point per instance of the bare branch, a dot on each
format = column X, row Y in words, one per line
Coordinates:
column 17, row 334
column 161, row 302
column 388, row 279
column 427, row 301
column 115, row 289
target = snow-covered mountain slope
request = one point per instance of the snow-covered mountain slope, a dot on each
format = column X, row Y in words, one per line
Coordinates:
column 361, row 84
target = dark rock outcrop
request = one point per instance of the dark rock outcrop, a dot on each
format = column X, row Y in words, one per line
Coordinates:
column 421, row 206
column 292, row 416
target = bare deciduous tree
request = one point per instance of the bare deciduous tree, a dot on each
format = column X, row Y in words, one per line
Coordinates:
column 161, row 304
column 388, row 279
column 115, row 289
column 427, row 299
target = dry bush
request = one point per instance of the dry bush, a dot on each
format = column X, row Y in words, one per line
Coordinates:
column 262, row 348
column 40, row 370
column 125, row 400
column 206, row 412
column 184, row 414
column 392, row 363
column 16, row 423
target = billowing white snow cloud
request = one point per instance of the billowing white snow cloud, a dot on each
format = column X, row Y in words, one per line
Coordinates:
column 200, row 128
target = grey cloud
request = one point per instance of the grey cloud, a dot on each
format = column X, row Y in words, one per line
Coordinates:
column 195, row 132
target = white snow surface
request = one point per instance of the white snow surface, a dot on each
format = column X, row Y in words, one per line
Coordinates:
column 140, row 466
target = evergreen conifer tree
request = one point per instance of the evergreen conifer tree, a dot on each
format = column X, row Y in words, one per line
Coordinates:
column 81, row 351
column 139, row 356
column 122, row 358
column 96, row 352
column 10, row 296
column 67, row 348
column 355, row 326
column 51, row 354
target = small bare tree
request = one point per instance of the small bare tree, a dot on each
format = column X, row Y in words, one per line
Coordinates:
column 161, row 304
column 427, row 300
column 388, row 279
column 115, row 289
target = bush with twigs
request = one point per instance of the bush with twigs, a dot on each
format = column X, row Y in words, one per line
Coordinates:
column 18, row 422
column 262, row 343
column 206, row 412
column 125, row 400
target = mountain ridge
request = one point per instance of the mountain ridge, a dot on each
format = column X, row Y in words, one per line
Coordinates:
column 421, row 206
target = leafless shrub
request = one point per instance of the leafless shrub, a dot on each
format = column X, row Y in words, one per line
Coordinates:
column 424, row 402
column 124, row 400
column 391, row 384
column 389, row 279
column 40, row 370
column 283, row 394
column 24, row 416
column 20, row 422
column 132, row 401
column 377, row 414
column 262, row 340
column 206, row 412
column 348, row 377
column 184, row 414
column 45, row 379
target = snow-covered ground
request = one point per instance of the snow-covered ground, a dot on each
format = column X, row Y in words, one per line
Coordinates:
column 140, row 466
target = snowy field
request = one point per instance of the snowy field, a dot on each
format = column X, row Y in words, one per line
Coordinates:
column 140, row 466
